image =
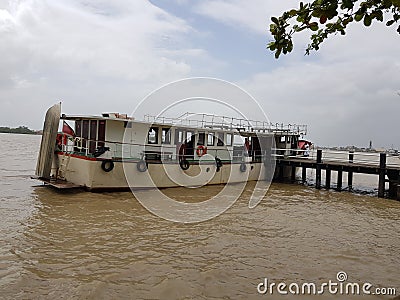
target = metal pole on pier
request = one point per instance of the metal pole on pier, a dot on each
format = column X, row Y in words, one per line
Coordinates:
column 327, row 179
column 350, row 174
column 397, row 187
column 382, row 171
column 339, row 180
column 318, row 169
column 293, row 174
column 304, row 174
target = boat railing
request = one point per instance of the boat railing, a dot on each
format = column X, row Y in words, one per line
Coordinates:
column 165, row 152
column 210, row 121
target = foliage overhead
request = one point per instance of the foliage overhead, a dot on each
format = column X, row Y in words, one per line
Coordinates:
column 325, row 17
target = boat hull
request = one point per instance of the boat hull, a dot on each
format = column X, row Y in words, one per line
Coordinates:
column 88, row 172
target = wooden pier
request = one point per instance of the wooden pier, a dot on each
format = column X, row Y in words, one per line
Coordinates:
column 348, row 166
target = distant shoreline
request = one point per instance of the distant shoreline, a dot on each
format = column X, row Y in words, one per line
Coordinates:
column 20, row 130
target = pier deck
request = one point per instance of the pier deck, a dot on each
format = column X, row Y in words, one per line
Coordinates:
column 386, row 172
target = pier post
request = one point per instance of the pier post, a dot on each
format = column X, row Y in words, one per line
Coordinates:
column 350, row 174
column 318, row 169
column 293, row 175
column 382, row 171
column 394, row 180
column 339, row 180
column 280, row 174
column 398, row 186
column 304, row 174
column 327, row 179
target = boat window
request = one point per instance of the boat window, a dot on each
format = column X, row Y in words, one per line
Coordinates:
column 166, row 136
column 229, row 139
column 220, row 141
column 189, row 136
column 93, row 136
column 101, row 133
column 78, row 133
column 283, row 139
column 153, row 136
column 178, row 136
column 78, row 128
column 210, row 139
column 85, row 132
column 201, row 139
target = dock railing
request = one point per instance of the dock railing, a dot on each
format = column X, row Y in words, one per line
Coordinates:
column 367, row 158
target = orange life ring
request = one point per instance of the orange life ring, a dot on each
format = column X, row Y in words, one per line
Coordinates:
column 201, row 150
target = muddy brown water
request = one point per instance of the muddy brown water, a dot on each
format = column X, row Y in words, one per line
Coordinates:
column 107, row 246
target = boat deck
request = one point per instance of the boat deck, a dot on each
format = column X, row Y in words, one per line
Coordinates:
column 59, row 184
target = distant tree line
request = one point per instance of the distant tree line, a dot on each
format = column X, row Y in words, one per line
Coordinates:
column 20, row 129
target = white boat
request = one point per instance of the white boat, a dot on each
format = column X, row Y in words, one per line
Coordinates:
column 114, row 151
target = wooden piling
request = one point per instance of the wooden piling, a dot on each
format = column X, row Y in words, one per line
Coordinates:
column 382, row 173
column 350, row 174
column 327, row 179
column 293, row 174
column 280, row 174
column 318, row 169
column 304, row 174
column 394, row 180
column 398, row 187
column 339, row 180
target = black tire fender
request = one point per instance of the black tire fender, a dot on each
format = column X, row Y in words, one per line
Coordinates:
column 141, row 165
column 107, row 165
column 184, row 164
column 218, row 163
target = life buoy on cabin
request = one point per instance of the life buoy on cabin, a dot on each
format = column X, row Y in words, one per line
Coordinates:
column 243, row 167
column 184, row 164
column 141, row 165
column 201, row 150
column 218, row 163
column 107, row 165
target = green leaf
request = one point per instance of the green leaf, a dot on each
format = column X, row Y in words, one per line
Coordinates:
column 390, row 23
column 275, row 20
column 313, row 26
column 358, row 17
column 379, row 15
column 367, row 20
column 271, row 46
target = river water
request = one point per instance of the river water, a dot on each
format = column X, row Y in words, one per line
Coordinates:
column 107, row 246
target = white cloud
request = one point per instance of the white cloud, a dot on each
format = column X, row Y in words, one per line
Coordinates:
column 345, row 92
column 83, row 51
column 254, row 15
column 342, row 104
column 105, row 56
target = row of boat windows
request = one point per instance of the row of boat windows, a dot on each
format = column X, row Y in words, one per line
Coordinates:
column 185, row 136
column 92, row 132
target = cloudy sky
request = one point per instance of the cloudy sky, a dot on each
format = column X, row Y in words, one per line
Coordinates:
column 98, row 56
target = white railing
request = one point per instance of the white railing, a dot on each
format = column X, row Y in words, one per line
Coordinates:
column 367, row 158
column 228, row 123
